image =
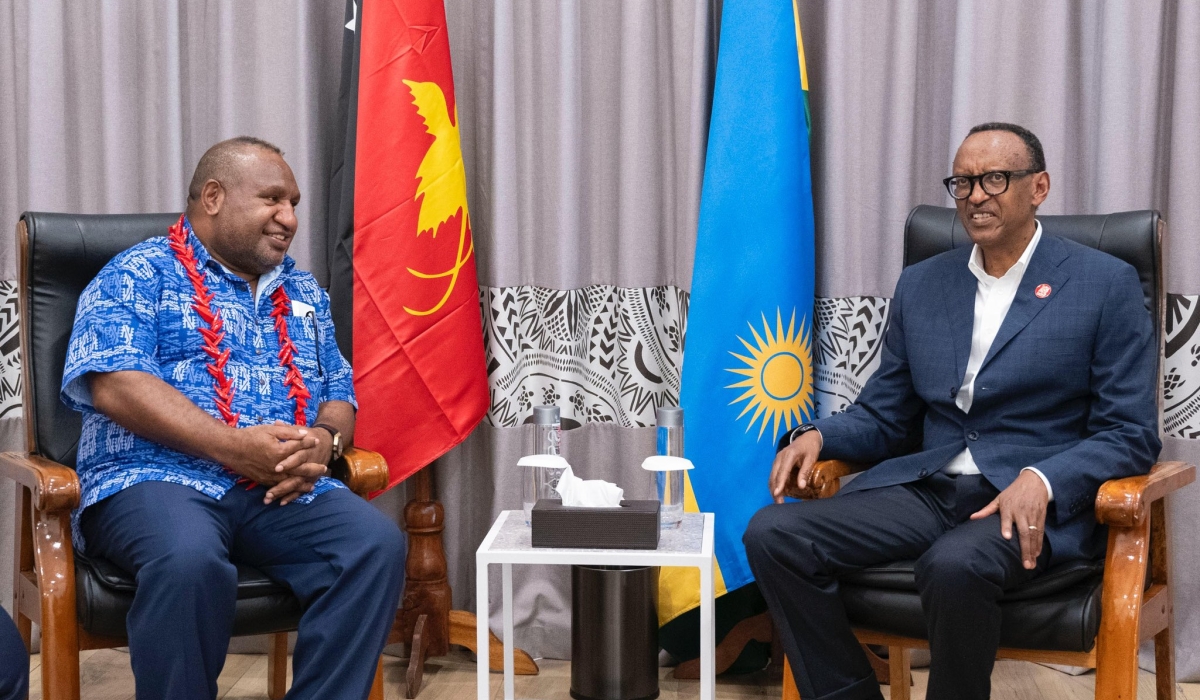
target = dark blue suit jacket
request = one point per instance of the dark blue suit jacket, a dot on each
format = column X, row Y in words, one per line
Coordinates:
column 1068, row 385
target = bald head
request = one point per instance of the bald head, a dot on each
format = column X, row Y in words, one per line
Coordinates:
column 224, row 162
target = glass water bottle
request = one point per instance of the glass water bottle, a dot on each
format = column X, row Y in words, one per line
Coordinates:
column 669, row 483
column 545, row 439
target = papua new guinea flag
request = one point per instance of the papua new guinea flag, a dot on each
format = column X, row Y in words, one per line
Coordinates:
column 402, row 264
column 748, row 370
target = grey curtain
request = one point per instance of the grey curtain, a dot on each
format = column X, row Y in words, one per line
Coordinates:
column 583, row 127
column 1110, row 88
column 108, row 105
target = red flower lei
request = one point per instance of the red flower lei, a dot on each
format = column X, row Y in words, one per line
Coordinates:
column 292, row 379
column 213, row 334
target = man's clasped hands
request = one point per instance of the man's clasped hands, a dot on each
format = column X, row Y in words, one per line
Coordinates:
column 287, row 458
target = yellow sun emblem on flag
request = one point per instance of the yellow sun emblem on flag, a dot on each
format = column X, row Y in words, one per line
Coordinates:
column 778, row 375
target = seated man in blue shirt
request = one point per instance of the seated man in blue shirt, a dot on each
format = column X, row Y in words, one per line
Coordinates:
column 212, row 394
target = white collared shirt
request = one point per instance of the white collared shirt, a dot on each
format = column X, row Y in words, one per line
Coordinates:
column 993, row 297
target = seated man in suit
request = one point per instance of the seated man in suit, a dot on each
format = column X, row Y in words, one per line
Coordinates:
column 1029, row 361
column 212, row 394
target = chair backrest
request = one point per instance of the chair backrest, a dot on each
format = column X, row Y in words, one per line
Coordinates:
column 1132, row 236
column 58, row 255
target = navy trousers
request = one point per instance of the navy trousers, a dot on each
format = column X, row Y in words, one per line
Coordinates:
column 14, row 661
column 797, row 551
column 341, row 557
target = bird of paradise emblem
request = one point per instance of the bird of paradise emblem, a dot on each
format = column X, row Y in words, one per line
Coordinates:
column 442, row 185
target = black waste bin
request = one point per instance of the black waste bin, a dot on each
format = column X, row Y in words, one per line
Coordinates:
column 614, row 632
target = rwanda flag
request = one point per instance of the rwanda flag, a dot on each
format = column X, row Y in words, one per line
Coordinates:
column 748, row 371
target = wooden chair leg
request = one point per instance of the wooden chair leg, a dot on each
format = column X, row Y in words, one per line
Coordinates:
column 277, row 661
column 1160, row 573
column 23, row 526
column 881, row 667
column 790, row 691
column 900, row 672
column 377, row 686
column 25, row 629
column 1164, row 664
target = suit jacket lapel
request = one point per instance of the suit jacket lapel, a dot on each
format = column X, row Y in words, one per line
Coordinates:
column 1043, row 269
column 960, row 311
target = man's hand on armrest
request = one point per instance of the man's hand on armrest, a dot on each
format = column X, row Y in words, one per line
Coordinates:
column 147, row 406
column 803, row 452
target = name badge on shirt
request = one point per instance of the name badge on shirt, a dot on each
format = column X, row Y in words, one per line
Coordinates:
column 299, row 308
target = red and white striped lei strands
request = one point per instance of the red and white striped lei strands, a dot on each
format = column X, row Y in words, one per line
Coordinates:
column 213, row 335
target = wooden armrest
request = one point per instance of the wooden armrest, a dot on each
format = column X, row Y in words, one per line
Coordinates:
column 55, row 487
column 1126, row 502
column 362, row 471
column 823, row 481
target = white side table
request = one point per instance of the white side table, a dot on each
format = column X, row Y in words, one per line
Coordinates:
column 510, row 542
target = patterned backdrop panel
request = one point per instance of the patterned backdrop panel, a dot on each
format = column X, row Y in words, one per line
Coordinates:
column 613, row 354
column 849, row 330
column 601, row 353
column 1181, row 367
column 10, row 353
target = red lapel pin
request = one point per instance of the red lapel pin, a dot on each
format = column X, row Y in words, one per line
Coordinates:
column 1042, row 291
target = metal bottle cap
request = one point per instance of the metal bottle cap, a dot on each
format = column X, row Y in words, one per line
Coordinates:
column 669, row 417
column 545, row 415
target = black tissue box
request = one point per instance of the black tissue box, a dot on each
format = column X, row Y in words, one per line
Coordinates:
column 634, row 525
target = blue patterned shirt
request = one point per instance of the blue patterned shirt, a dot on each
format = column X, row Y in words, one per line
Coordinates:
column 137, row 315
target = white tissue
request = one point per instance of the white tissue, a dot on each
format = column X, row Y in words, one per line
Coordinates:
column 592, row 493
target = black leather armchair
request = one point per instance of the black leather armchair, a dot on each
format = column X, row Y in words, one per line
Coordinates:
column 81, row 603
column 1086, row 613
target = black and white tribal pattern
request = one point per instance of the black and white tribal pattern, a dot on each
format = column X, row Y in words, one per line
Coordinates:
column 612, row 354
column 1181, row 367
column 847, row 348
column 10, row 353
column 603, row 354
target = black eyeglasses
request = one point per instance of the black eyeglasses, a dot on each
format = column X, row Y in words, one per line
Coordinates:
column 993, row 184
